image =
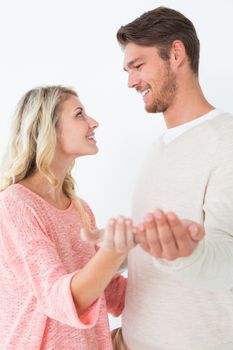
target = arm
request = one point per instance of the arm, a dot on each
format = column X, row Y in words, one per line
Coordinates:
column 208, row 264
column 92, row 280
column 34, row 260
column 115, row 291
column 96, row 275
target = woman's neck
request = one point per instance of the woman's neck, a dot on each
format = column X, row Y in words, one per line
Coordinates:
column 40, row 185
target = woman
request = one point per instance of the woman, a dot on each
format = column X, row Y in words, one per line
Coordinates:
column 52, row 283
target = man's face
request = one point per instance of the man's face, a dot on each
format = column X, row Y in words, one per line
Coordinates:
column 151, row 76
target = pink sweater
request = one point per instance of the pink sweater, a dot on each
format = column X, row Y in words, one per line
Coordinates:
column 40, row 252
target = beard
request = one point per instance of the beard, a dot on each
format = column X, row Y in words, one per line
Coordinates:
column 165, row 94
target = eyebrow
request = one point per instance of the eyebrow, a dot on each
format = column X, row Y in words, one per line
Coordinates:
column 131, row 63
column 78, row 108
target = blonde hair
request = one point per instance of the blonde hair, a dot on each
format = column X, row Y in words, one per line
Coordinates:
column 32, row 142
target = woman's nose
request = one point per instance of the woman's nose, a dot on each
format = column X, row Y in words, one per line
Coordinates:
column 93, row 124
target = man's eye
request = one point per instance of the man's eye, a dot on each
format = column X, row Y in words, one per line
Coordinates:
column 138, row 66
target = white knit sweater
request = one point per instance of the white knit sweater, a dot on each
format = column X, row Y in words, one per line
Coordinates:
column 186, row 304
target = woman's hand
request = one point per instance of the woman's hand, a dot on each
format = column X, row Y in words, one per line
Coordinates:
column 118, row 235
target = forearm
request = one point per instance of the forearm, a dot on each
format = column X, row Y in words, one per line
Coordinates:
column 209, row 266
column 91, row 281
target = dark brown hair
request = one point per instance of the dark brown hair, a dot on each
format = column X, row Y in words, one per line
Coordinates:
column 160, row 27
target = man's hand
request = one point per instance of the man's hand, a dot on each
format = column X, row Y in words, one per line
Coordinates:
column 168, row 237
column 117, row 236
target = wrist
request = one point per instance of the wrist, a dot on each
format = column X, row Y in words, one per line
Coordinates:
column 112, row 254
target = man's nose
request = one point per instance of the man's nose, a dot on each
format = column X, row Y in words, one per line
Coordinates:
column 133, row 80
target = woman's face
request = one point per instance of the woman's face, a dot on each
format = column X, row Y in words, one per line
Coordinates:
column 75, row 130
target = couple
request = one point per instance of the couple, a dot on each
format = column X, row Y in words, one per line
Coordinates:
column 56, row 289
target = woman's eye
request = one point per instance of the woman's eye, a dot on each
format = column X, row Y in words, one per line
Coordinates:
column 79, row 115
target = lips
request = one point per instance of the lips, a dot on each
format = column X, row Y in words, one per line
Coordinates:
column 145, row 92
column 91, row 138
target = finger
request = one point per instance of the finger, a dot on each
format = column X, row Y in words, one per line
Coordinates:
column 120, row 235
column 108, row 241
column 130, row 241
column 152, row 235
column 85, row 234
column 141, row 238
column 166, row 237
column 91, row 236
column 182, row 237
column 135, row 234
column 196, row 231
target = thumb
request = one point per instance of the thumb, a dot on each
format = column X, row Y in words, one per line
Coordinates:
column 196, row 232
column 91, row 236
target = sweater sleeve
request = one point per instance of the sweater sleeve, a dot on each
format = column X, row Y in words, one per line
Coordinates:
column 210, row 265
column 34, row 260
column 115, row 291
column 115, row 295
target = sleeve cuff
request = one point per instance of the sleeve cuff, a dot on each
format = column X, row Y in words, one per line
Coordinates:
column 180, row 264
column 89, row 318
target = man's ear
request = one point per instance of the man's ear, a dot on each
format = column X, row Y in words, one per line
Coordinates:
column 178, row 53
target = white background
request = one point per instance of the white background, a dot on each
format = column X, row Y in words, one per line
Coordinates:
column 72, row 42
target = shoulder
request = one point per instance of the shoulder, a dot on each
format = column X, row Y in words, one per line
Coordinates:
column 18, row 204
column 223, row 128
column 216, row 134
column 222, row 137
column 85, row 205
column 11, row 196
column 17, row 195
column 221, row 124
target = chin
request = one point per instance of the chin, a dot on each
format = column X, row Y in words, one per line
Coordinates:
column 156, row 108
column 151, row 109
column 93, row 152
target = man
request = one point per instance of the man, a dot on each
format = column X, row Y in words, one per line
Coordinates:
column 179, row 293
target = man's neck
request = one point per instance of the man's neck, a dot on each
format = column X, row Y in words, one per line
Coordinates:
column 189, row 104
